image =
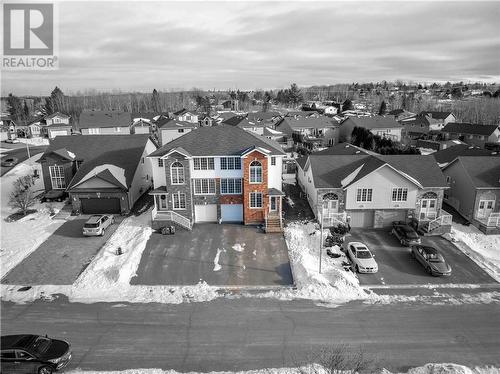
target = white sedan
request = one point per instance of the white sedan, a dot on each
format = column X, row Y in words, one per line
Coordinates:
column 361, row 258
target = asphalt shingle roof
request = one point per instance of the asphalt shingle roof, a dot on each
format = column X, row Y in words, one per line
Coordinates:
column 103, row 118
column 308, row 122
column 484, row 171
column 122, row 151
column 219, row 141
column 469, row 128
column 375, row 122
column 451, row 153
column 343, row 149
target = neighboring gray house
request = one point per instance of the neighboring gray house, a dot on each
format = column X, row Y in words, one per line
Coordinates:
column 169, row 129
column 310, row 132
column 101, row 122
column 473, row 134
column 384, row 126
column 474, row 191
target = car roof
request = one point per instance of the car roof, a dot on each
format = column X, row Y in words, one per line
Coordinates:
column 16, row 341
column 94, row 218
column 427, row 249
column 358, row 244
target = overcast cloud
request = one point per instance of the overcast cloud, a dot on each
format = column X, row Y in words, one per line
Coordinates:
column 146, row 45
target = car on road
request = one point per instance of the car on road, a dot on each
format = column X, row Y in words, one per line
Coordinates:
column 96, row 225
column 33, row 354
column 361, row 257
column 54, row 195
column 12, row 141
column 405, row 234
column 432, row 261
column 9, row 161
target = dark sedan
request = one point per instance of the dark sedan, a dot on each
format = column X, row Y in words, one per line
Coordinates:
column 432, row 261
column 9, row 161
column 405, row 234
column 33, row 354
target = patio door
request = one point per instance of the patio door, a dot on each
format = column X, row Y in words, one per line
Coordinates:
column 485, row 208
column 428, row 209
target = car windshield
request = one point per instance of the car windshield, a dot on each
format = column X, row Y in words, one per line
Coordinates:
column 363, row 254
column 91, row 225
column 411, row 234
column 435, row 257
column 40, row 345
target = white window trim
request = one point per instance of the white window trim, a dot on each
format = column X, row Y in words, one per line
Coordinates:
column 177, row 172
column 208, row 184
column 234, row 162
column 233, row 179
column 273, row 161
column 250, row 200
column 250, row 173
column 402, row 193
column 208, row 163
column 361, row 189
column 179, row 195
column 52, row 177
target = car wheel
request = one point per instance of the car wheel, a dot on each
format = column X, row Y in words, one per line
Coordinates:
column 429, row 270
column 402, row 242
column 412, row 254
column 45, row 370
column 102, row 232
column 357, row 269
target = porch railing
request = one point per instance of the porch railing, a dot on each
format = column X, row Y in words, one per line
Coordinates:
column 443, row 219
column 332, row 219
column 493, row 220
column 171, row 216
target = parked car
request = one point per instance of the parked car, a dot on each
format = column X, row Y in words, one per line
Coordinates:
column 9, row 161
column 405, row 233
column 33, row 354
column 12, row 141
column 361, row 257
column 54, row 195
column 432, row 261
column 97, row 224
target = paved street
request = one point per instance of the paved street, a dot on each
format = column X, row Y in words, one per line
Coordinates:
column 19, row 151
column 187, row 257
column 256, row 333
column 62, row 257
column 396, row 266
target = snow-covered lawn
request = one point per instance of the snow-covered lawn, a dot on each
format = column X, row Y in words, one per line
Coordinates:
column 426, row 369
column 483, row 249
column 20, row 238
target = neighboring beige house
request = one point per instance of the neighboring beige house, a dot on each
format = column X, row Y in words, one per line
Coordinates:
column 384, row 126
column 35, row 129
column 373, row 190
column 96, row 122
column 474, row 191
column 185, row 115
column 170, row 129
column 57, row 118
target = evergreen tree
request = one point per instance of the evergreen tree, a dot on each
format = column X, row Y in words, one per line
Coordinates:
column 155, row 101
column 347, row 105
column 15, row 107
column 383, row 108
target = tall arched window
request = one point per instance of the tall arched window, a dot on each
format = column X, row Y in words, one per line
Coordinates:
column 255, row 172
column 177, row 173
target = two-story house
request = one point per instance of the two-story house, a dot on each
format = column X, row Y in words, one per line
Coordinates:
column 105, row 122
column 373, row 190
column 218, row 174
column 169, row 129
column 472, row 134
column 310, row 132
column 185, row 115
column 56, row 124
column 474, row 191
column 102, row 173
column 383, row 126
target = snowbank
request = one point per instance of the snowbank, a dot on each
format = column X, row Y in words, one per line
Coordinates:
column 483, row 249
column 426, row 369
column 20, row 238
column 333, row 285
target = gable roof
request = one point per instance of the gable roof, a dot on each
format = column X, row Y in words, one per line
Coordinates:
column 484, row 171
column 436, row 114
column 469, row 128
column 104, row 118
column 375, row 122
column 56, row 114
column 169, row 123
column 219, row 141
column 308, row 122
column 234, row 120
column 330, row 170
column 107, row 172
column 344, row 149
column 449, row 154
column 262, row 116
column 144, row 115
column 123, row 152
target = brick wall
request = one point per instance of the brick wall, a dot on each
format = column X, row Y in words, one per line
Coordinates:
column 250, row 215
column 183, row 188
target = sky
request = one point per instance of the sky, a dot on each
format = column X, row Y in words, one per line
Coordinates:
column 138, row 46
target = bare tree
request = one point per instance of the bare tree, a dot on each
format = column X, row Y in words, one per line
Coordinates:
column 22, row 196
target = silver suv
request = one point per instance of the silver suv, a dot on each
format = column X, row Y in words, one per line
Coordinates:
column 97, row 224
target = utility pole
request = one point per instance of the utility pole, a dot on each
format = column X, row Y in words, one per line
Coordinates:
column 320, row 215
column 28, row 149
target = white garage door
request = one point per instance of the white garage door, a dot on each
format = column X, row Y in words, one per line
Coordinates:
column 205, row 213
column 55, row 133
column 361, row 219
column 232, row 212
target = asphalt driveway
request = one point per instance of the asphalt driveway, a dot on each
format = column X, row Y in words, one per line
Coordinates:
column 62, row 257
column 221, row 255
column 397, row 267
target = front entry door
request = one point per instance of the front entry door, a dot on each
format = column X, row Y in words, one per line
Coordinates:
column 485, row 208
column 428, row 209
column 273, row 204
column 330, row 206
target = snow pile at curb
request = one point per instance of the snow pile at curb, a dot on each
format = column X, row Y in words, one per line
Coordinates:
column 107, row 278
column 483, row 249
column 333, row 285
column 426, row 369
column 20, row 238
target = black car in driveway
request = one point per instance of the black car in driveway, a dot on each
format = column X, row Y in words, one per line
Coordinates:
column 33, row 354
column 430, row 258
column 405, row 233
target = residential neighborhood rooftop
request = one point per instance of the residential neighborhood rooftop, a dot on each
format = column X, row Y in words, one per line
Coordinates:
column 102, row 118
column 375, row 122
column 449, row 154
column 484, row 171
column 469, row 128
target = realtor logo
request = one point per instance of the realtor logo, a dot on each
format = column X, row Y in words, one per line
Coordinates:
column 28, row 30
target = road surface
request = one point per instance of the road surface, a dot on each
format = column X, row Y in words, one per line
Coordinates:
column 21, row 154
column 255, row 333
